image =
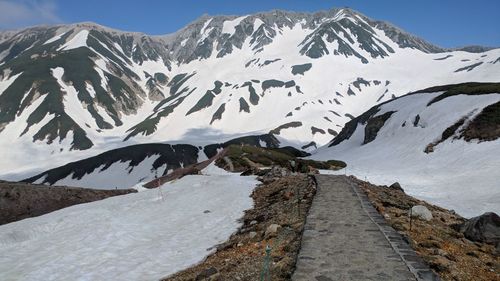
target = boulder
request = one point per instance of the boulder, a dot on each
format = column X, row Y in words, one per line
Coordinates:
column 421, row 212
column 484, row 228
column 396, row 186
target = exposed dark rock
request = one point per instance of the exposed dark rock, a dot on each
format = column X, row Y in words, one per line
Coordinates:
column 469, row 67
column 350, row 127
column 485, row 126
column 218, row 114
column 289, row 84
column 207, row 274
column 396, row 186
column 447, row 133
column 270, row 141
column 470, row 88
column 334, row 113
column 416, row 120
column 301, row 68
column 443, row 58
column 484, row 228
column 374, row 125
column 172, row 156
column 267, row 62
column 359, row 82
column 244, row 105
column 277, row 130
column 311, row 144
column 207, row 99
column 273, row 83
column 332, row 132
column 349, row 116
column 315, row 130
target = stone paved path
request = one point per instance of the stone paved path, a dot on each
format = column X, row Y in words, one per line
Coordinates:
column 346, row 239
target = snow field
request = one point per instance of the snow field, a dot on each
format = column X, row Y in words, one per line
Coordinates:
column 137, row 236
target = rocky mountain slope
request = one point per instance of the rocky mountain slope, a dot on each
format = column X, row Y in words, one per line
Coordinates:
column 439, row 143
column 135, row 165
column 72, row 91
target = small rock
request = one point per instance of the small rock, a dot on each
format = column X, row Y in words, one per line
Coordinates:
column 206, row 211
column 440, row 264
column 440, row 252
column 386, row 216
column 472, row 254
column 252, row 234
column 429, row 244
column 451, row 257
column 298, row 227
column 207, row 274
column 421, row 212
column 253, row 222
column 272, row 230
column 288, row 195
column 283, row 266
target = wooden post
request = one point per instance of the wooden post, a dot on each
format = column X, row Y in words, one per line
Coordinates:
column 411, row 216
column 159, row 188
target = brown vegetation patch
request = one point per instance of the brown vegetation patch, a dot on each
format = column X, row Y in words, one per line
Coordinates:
column 445, row 249
column 23, row 200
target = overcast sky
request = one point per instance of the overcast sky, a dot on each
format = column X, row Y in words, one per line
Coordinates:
column 447, row 23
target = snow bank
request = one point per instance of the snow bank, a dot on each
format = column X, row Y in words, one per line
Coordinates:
column 132, row 237
column 458, row 175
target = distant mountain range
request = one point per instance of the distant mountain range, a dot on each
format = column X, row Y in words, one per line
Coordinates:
column 69, row 92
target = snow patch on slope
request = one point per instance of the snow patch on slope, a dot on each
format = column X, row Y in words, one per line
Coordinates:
column 72, row 104
column 137, row 236
column 229, row 26
column 79, row 40
column 4, row 84
column 55, row 38
column 119, row 175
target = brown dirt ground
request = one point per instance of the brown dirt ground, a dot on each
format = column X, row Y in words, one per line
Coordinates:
column 22, row 200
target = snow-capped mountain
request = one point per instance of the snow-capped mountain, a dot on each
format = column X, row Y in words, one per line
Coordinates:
column 440, row 144
column 72, row 91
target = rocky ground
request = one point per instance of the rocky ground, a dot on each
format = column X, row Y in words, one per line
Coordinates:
column 277, row 220
column 438, row 241
column 22, row 200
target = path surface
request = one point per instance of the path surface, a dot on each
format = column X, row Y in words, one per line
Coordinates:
column 346, row 239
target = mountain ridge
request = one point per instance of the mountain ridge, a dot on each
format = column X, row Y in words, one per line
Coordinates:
column 78, row 90
column 205, row 17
